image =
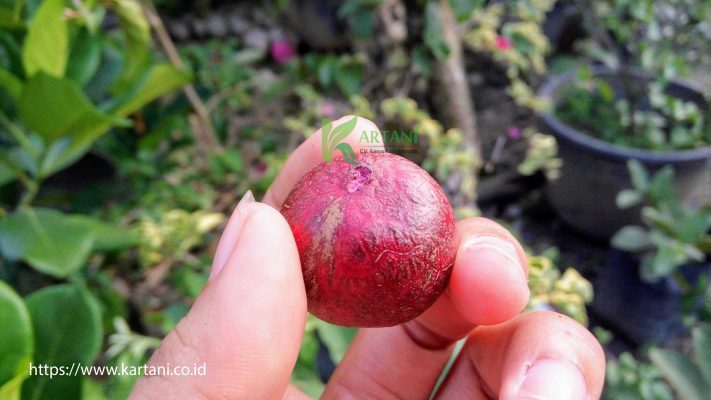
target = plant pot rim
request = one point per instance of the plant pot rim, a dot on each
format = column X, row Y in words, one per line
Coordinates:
column 607, row 149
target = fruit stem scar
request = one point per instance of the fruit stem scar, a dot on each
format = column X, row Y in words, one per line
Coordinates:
column 360, row 176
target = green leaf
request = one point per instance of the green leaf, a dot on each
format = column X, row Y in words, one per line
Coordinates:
column 463, row 9
column 307, row 380
column 325, row 135
column 189, row 281
column 67, row 325
column 661, row 220
column 349, row 78
column 701, row 336
column 631, row 238
column 92, row 389
column 693, row 226
column 662, row 263
column 432, row 34
column 12, row 55
column 11, row 390
column 47, row 240
column 46, row 46
column 107, row 237
column 7, row 174
column 336, row 338
column 16, row 342
column 628, row 198
column 326, row 70
column 9, row 20
column 57, row 108
column 686, row 379
column 362, row 23
column 638, row 175
column 85, row 57
column 161, row 79
column 11, row 84
column 348, row 153
column 662, row 187
column 421, row 60
column 341, row 131
column 138, row 37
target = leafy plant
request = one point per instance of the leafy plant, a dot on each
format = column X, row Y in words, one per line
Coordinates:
column 662, row 40
column 512, row 33
column 65, row 83
column 68, row 84
column 689, row 376
column 39, row 331
column 336, row 339
column 52, row 116
column 16, row 342
column 342, row 72
column 674, row 233
column 445, row 157
column 541, row 155
column 360, row 16
column 627, row 378
column 567, row 292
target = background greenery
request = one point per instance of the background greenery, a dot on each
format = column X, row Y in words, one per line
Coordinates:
column 127, row 133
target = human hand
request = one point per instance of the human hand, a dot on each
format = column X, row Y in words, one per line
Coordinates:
column 247, row 323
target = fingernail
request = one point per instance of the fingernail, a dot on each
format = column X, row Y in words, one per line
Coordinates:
column 230, row 236
column 549, row 379
column 497, row 251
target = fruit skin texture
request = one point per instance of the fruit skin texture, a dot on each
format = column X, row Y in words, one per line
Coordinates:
column 376, row 241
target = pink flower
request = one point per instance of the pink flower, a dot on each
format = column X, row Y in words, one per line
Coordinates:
column 502, row 43
column 514, row 133
column 282, row 51
column 327, row 109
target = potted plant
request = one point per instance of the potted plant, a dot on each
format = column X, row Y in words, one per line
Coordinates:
column 653, row 267
column 633, row 104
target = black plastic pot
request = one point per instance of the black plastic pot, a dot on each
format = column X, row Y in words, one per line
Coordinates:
column 594, row 171
column 640, row 311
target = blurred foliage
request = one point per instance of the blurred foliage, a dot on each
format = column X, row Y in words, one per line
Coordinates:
column 173, row 235
column 111, row 203
column 567, row 293
column 66, row 83
column 665, row 40
column 541, row 155
column 674, row 234
column 689, row 376
column 512, row 33
column 627, row 378
column 335, row 341
column 446, row 156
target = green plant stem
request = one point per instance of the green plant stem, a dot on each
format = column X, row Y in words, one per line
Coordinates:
column 31, row 189
column 18, row 135
column 19, row 173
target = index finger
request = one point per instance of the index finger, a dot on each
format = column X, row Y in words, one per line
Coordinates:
column 308, row 155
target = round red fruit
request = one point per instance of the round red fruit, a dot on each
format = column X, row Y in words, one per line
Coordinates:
column 376, row 240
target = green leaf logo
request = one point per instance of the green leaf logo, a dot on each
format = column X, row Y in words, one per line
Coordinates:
column 331, row 138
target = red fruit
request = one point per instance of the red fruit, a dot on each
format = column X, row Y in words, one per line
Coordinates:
column 376, row 240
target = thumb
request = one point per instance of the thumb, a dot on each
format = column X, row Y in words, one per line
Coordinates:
column 246, row 326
